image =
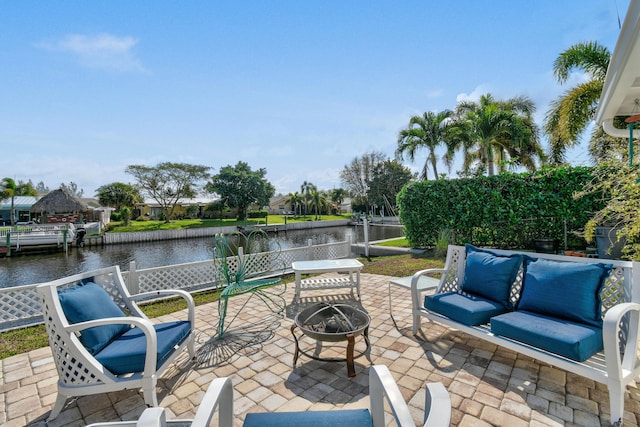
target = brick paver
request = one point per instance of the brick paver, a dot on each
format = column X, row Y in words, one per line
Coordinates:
column 488, row 385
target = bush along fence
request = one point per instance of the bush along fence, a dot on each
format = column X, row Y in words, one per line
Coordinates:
column 507, row 210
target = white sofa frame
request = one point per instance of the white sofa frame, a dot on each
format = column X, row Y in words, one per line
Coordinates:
column 79, row 373
column 616, row 366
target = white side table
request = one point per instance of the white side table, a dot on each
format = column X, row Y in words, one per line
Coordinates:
column 424, row 283
column 327, row 266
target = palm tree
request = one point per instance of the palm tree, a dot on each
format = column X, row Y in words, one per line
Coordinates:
column 570, row 114
column 305, row 190
column 496, row 132
column 427, row 131
column 9, row 190
column 295, row 200
column 318, row 201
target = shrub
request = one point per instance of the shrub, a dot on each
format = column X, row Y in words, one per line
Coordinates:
column 257, row 214
column 506, row 210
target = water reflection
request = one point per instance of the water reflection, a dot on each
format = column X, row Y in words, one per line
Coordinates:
column 29, row 269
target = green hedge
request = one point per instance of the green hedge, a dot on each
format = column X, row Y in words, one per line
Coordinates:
column 257, row 214
column 507, row 210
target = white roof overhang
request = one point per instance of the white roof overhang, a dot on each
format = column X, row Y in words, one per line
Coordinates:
column 622, row 83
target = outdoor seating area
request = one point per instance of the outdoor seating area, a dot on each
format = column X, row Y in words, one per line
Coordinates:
column 487, row 384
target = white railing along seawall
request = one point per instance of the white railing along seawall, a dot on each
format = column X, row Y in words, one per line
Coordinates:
column 20, row 305
column 186, row 233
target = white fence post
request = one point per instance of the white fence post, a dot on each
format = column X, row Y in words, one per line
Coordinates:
column 132, row 279
column 310, row 256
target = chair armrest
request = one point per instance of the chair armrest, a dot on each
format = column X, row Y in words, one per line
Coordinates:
column 123, row 320
column 152, row 417
column 145, row 325
column 178, row 292
column 437, row 408
column 218, row 395
column 381, row 385
column 616, row 367
column 415, row 291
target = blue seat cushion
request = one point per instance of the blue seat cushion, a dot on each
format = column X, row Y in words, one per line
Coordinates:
column 568, row 290
column 573, row 340
column 470, row 310
column 337, row 418
column 89, row 301
column 126, row 353
column 490, row 275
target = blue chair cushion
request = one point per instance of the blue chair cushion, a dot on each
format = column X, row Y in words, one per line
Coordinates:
column 89, row 301
column 337, row 418
column 489, row 275
column 126, row 353
column 470, row 310
column 573, row 340
column 568, row 290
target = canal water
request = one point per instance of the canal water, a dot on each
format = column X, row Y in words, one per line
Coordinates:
column 30, row 269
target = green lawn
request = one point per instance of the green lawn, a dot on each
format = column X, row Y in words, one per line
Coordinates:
column 400, row 242
column 116, row 226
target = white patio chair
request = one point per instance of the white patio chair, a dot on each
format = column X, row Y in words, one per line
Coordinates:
column 381, row 384
column 102, row 342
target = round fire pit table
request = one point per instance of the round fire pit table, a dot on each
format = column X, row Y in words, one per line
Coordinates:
column 332, row 323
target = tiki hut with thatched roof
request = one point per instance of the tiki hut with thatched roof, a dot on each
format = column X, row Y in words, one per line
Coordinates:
column 59, row 206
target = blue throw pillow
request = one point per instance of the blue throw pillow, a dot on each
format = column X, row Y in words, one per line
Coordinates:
column 568, row 290
column 490, row 275
column 89, row 302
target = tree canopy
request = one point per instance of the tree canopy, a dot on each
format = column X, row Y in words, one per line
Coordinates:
column 356, row 175
column 491, row 132
column 169, row 182
column 241, row 187
column 570, row 113
column 118, row 195
column 427, row 131
column 388, row 179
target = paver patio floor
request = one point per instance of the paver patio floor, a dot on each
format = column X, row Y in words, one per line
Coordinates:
column 489, row 385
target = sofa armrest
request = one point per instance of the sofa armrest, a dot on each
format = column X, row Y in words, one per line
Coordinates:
column 618, row 367
column 415, row 290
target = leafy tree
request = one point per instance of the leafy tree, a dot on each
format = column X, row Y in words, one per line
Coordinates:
column 10, row 190
column 168, row 182
column 125, row 215
column 241, row 187
column 218, row 206
column 427, row 131
column 356, row 175
column 388, row 179
column 493, row 132
column 41, row 188
column 570, row 114
column 72, row 189
column 118, row 195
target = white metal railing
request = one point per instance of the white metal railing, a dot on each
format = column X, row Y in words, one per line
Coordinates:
column 20, row 305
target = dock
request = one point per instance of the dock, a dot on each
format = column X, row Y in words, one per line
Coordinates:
column 36, row 237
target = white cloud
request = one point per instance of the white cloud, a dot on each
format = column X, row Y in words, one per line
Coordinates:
column 102, row 51
column 475, row 94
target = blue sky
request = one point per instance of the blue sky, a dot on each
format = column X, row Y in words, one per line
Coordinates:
column 297, row 87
